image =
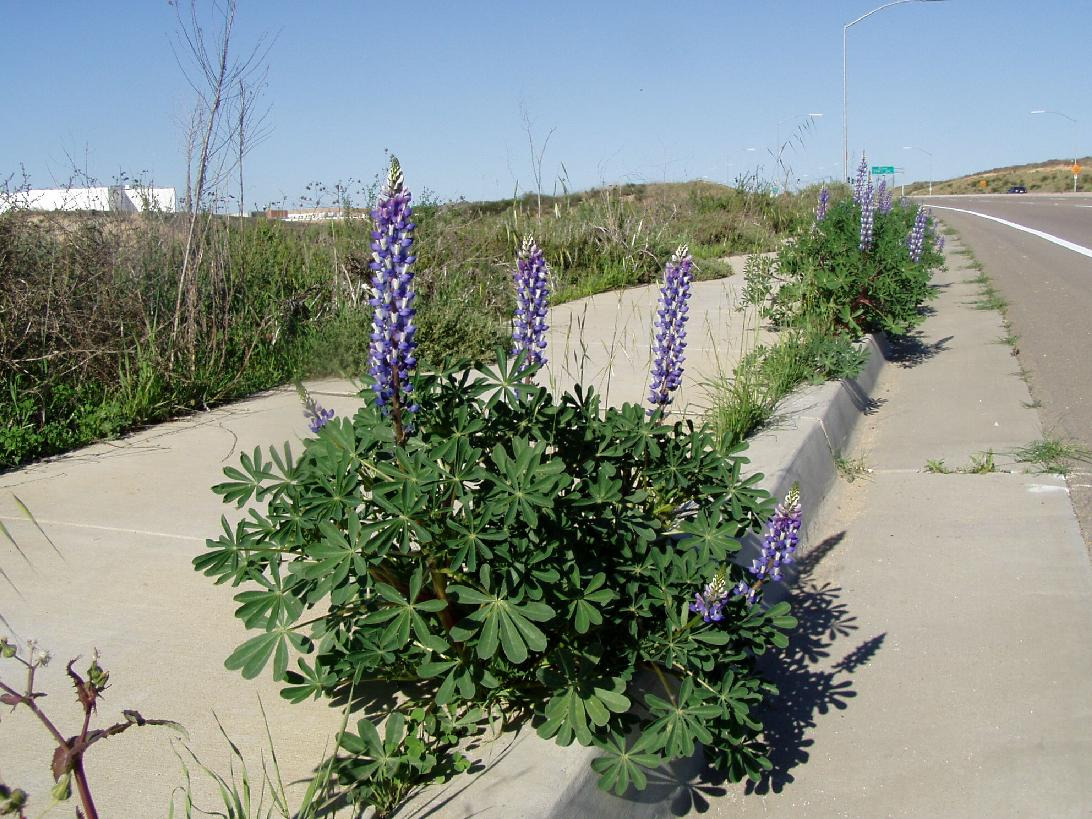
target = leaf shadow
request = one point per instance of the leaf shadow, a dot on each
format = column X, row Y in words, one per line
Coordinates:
column 809, row 684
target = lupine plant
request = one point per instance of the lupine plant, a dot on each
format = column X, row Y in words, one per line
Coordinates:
column 938, row 239
column 669, row 346
column 862, row 178
column 532, row 280
column 511, row 553
column 779, row 546
column 393, row 343
column 824, row 203
column 868, row 218
column 916, row 241
column 317, row 415
column 884, row 197
column 854, row 270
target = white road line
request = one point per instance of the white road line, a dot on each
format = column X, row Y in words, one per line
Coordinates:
column 1076, row 248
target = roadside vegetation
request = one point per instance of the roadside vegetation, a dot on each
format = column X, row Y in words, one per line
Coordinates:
column 99, row 336
column 862, row 266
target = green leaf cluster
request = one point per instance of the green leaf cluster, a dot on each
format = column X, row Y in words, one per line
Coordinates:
column 517, row 554
column 828, row 280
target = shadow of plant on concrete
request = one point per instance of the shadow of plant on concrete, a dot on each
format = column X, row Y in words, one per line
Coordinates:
column 808, row 684
column 912, row 350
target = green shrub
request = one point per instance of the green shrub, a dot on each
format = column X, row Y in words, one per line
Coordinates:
column 516, row 554
column 828, row 280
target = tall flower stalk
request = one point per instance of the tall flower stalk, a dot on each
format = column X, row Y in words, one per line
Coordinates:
column 393, row 341
column 824, row 202
column 916, row 241
column 884, row 197
column 868, row 217
column 862, row 178
column 317, row 415
column 532, row 276
column 668, row 351
column 778, row 546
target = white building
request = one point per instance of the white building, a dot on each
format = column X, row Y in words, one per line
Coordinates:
column 114, row 198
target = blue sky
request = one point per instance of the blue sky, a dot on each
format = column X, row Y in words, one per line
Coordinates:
column 633, row 91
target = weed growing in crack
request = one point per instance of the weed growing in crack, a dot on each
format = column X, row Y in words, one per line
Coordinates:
column 1053, row 455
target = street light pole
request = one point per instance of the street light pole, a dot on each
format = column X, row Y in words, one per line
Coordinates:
column 912, row 148
column 1060, row 114
column 845, row 83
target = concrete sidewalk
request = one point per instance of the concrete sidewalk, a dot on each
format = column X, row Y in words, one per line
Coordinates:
column 943, row 666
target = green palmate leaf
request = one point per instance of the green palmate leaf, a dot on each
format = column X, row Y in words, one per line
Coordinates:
column 579, row 710
column 308, row 682
column 584, row 611
column 230, row 554
column 501, row 621
column 523, row 484
column 247, row 482
column 471, row 534
column 682, row 721
column 622, row 767
column 276, row 604
column 253, row 655
column 711, row 536
column 402, row 614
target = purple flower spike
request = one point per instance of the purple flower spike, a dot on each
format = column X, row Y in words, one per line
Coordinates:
column 393, row 343
column 934, row 230
column 916, row 241
column 317, row 416
column 824, row 201
column 710, row 602
column 862, row 178
column 532, row 303
column 868, row 215
column 778, row 545
column 669, row 348
column 883, row 197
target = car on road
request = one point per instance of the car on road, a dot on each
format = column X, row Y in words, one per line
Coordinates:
column 1017, row 189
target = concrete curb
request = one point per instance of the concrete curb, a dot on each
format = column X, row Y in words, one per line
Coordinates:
column 810, row 429
column 529, row 776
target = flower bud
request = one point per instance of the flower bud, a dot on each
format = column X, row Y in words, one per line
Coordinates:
column 12, row 800
column 63, row 789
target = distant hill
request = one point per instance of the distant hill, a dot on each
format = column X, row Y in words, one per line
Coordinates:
column 1050, row 176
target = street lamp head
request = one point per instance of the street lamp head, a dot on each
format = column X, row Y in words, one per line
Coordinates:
column 1038, row 111
column 815, row 115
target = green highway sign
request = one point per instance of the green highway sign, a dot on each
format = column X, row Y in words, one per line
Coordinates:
column 883, row 169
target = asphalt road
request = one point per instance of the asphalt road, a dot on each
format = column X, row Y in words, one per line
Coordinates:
column 1048, row 288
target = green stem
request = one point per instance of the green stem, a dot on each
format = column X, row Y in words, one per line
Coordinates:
column 663, row 681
